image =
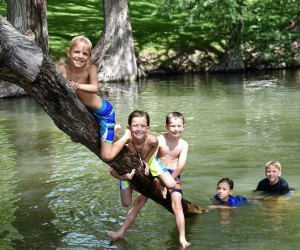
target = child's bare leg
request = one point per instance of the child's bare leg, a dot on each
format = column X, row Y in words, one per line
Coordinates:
column 131, row 215
column 117, row 128
column 164, row 191
column 167, row 179
column 109, row 151
column 126, row 196
column 176, row 198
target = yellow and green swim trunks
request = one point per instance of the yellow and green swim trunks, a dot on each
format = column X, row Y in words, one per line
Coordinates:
column 156, row 168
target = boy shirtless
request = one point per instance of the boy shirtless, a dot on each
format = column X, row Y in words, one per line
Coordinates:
column 83, row 77
column 172, row 152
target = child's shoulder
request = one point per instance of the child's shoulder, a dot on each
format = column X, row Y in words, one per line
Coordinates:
column 91, row 67
column 61, row 66
column 63, row 69
column 183, row 142
column 161, row 137
column 151, row 139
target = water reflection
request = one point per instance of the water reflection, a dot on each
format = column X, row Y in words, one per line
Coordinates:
column 55, row 194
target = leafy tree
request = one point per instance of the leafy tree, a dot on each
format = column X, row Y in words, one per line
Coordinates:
column 221, row 23
column 271, row 27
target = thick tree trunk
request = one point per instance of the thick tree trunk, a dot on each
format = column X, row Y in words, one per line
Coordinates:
column 24, row 64
column 29, row 17
column 10, row 90
column 114, row 54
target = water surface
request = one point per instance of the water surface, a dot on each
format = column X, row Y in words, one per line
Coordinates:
column 56, row 194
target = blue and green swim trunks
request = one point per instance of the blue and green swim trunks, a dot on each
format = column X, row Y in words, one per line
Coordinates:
column 105, row 116
column 156, row 168
column 178, row 187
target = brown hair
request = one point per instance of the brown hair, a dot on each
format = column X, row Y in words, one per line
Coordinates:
column 228, row 181
column 138, row 113
column 174, row 115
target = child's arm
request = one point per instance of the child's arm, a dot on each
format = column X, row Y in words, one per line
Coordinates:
column 93, row 85
column 154, row 146
column 124, row 177
column 181, row 160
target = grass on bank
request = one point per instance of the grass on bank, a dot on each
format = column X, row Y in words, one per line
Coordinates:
column 151, row 32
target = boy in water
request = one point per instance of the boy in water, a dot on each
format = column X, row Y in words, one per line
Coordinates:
column 145, row 145
column 274, row 183
column 83, row 77
column 172, row 152
column 223, row 196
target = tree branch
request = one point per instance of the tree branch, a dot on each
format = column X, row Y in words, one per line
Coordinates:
column 24, row 64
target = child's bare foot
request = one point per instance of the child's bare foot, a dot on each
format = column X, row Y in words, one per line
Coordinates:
column 164, row 192
column 185, row 244
column 115, row 235
column 117, row 128
column 128, row 176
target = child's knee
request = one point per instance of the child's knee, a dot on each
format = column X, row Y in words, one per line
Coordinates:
column 106, row 157
column 126, row 203
column 171, row 184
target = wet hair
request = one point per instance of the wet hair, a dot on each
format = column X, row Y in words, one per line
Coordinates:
column 273, row 163
column 227, row 180
column 174, row 115
column 77, row 39
column 138, row 113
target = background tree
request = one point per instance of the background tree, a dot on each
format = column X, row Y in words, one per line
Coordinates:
column 27, row 66
column 114, row 53
column 272, row 33
column 29, row 17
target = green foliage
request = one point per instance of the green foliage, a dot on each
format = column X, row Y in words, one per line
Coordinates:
column 264, row 22
column 181, row 26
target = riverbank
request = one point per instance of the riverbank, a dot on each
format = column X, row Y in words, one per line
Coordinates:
column 160, row 43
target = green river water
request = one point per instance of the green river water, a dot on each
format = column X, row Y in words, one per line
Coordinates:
column 56, row 194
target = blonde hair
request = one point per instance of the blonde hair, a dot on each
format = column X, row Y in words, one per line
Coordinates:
column 273, row 163
column 77, row 39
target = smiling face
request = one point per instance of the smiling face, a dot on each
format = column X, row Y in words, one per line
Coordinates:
column 79, row 54
column 139, row 128
column 272, row 174
column 223, row 191
column 175, row 127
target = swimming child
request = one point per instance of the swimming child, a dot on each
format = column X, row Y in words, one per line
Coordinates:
column 223, row 196
column 145, row 145
column 274, row 183
column 84, row 81
column 172, row 152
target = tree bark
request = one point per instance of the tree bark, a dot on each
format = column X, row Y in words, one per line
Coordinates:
column 30, row 18
column 10, row 90
column 24, row 64
column 114, row 54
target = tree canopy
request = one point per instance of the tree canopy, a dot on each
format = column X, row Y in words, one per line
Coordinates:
column 199, row 29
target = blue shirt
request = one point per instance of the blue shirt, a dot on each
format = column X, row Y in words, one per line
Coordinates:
column 233, row 201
